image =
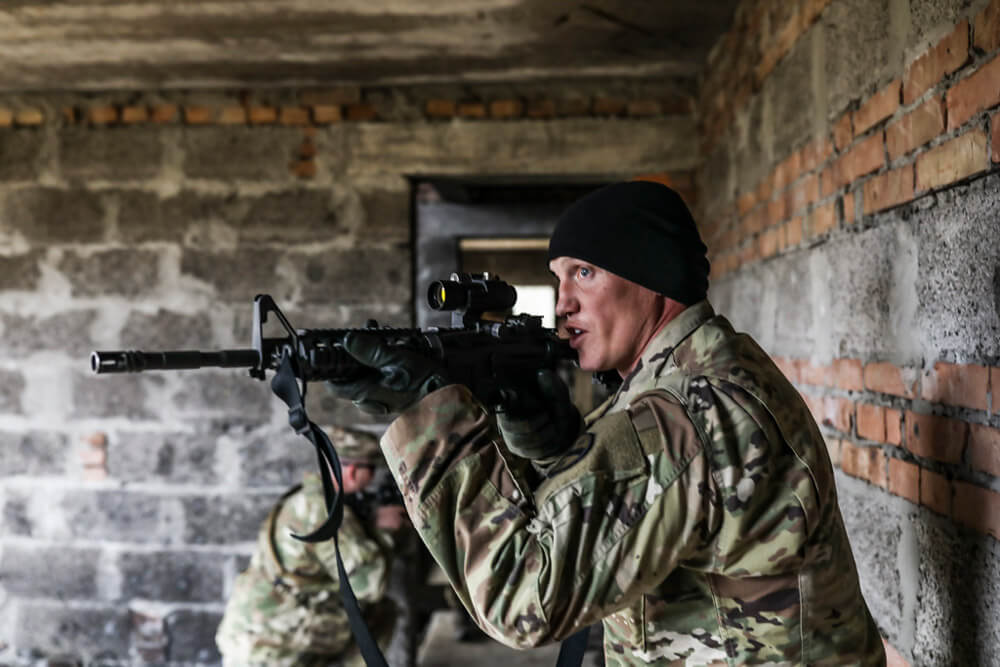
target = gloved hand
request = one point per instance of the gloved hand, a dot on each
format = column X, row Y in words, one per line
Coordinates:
column 399, row 378
column 542, row 422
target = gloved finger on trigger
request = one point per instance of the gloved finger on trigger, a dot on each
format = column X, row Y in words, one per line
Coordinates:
column 367, row 348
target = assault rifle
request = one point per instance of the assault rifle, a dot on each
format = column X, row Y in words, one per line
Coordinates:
column 486, row 350
column 483, row 349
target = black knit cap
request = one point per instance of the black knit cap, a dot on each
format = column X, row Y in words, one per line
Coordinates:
column 641, row 231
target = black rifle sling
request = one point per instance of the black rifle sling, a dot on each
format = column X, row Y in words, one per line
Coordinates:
column 572, row 649
column 286, row 387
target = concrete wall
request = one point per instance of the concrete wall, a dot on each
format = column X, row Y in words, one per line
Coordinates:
column 850, row 193
column 129, row 503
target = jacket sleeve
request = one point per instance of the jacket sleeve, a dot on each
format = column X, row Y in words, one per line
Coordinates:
column 616, row 515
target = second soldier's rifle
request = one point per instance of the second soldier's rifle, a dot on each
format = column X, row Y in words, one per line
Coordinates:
column 485, row 349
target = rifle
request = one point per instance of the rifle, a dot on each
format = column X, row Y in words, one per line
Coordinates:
column 484, row 350
column 489, row 352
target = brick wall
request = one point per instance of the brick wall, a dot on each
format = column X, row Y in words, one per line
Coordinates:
column 150, row 220
column 849, row 198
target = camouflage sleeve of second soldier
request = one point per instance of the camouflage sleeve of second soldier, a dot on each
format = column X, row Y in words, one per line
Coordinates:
column 535, row 567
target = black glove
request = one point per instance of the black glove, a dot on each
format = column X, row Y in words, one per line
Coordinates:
column 398, row 379
column 541, row 421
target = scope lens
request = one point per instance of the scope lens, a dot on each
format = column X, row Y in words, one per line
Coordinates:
column 447, row 295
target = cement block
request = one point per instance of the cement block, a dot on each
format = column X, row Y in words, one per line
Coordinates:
column 117, row 516
column 180, row 458
column 747, row 157
column 292, row 216
column 851, row 72
column 168, row 330
column 21, row 155
column 55, row 628
column 792, row 79
column 875, row 546
column 110, row 155
column 724, row 170
column 239, row 275
column 67, row 332
column 192, row 634
column 128, row 273
column 276, row 459
column 228, row 390
column 959, row 279
column 20, row 272
column 786, row 322
column 61, row 572
column 240, row 153
column 11, row 386
column 170, row 576
column 931, row 20
column 572, row 147
column 957, row 620
column 48, row 216
column 120, row 396
column 776, row 324
column 14, row 519
column 365, row 275
column 854, row 296
column 144, row 217
column 33, row 453
column 222, row 519
column 386, row 216
column 860, row 305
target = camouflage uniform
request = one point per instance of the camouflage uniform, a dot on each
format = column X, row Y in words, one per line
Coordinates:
column 696, row 515
column 285, row 609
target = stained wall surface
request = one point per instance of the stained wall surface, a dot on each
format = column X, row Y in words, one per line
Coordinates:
column 850, row 197
column 150, row 221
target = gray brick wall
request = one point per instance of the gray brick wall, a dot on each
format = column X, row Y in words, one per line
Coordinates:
column 128, row 503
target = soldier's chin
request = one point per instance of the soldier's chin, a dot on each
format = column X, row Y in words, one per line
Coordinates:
column 593, row 366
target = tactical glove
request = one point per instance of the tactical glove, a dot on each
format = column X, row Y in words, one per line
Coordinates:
column 398, row 378
column 541, row 421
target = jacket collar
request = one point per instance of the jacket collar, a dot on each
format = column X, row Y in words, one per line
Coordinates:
column 662, row 345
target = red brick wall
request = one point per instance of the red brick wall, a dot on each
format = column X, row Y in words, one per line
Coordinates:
column 927, row 433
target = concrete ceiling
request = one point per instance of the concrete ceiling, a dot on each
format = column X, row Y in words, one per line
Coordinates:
column 172, row 44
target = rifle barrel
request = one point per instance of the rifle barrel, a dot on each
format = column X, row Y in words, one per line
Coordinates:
column 134, row 361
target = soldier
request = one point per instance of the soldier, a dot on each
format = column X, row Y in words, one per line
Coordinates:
column 694, row 512
column 285, row 609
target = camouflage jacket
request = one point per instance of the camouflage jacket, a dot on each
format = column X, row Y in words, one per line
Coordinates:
column 285, row 608
column 696, row 515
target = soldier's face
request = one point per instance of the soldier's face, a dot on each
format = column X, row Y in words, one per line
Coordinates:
column 609, row 319
column 356, row 477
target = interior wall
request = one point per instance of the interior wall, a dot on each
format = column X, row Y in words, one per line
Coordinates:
column 849, row 195
column 149, row 221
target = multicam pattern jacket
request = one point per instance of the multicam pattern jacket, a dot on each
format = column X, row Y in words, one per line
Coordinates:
column 285, row 609
column 696, row 515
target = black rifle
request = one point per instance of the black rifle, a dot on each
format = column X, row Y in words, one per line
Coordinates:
column 484, row 350
column 489, row 352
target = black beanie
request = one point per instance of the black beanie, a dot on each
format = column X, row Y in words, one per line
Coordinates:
column 641, row 231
